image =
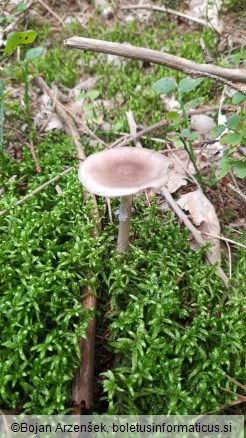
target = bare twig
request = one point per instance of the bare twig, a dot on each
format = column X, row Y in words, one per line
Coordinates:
column 226, row 240
column 156, row 57
column 217, row 78
column 128, row 139
column 206, row 54
column 168, row 11
column 51, row 12
column 133, row 127
column 34, row 156
column 37, row 190
column 236, row 382
column 229, row 258
column 237, row 191
column 226, row 406
column 241, row 397
column 63, row 114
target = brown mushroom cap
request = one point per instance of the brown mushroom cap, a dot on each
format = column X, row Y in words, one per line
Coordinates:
column 124, row 171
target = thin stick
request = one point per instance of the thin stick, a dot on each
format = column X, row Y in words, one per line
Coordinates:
column 127, row 140
column 242, row 397
column 51, row 12
column 193, row 230
column 34, row 156
column 158, row 140
column 37, row 190
column 237, row 191
column 236, row 382
column 229, row 259
column 184, row 168
column 218, row 78
column 226, row 240
column 133, row 127
column 225, row 406
column 156, row 57
column 63, row 112
column 168, row 11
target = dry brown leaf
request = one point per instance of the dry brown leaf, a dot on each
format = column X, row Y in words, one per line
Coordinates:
column 181, row 164
column 204, row 216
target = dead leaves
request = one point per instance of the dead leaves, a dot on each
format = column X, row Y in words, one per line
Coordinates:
column 204, row 216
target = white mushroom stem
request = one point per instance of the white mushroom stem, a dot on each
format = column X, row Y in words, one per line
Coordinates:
column 124, row 214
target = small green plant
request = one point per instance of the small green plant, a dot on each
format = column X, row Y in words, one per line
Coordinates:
column 233, row 133
column 15, row 39
column 235, row 125
column 88, row 106
column 30, row 56
column 185, row 86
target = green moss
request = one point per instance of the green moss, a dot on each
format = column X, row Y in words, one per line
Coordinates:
column 172, row 339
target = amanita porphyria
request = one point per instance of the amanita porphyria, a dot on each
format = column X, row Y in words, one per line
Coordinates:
column 122, row 172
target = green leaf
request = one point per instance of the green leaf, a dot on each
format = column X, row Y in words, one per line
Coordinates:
column 188, row 134
column 231, row 139
column 187, row 84
column 232, row 122
column 118, row 126
column 217, row 131
column 81, row 96
column 194, row 103
column 231, row 61
column 224, row 166
column 174, row 117
column 239, row 169
column 88, row 106
column 21, row 7
column 33, row 53
column 164, row 85
column 15, row 39
column 238, row 98
column 93, row 94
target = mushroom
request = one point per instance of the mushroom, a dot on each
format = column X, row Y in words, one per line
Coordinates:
column 121, row 173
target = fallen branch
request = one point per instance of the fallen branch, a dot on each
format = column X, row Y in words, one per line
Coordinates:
column 156, row 57
column 37, row 190
column 168, row 11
